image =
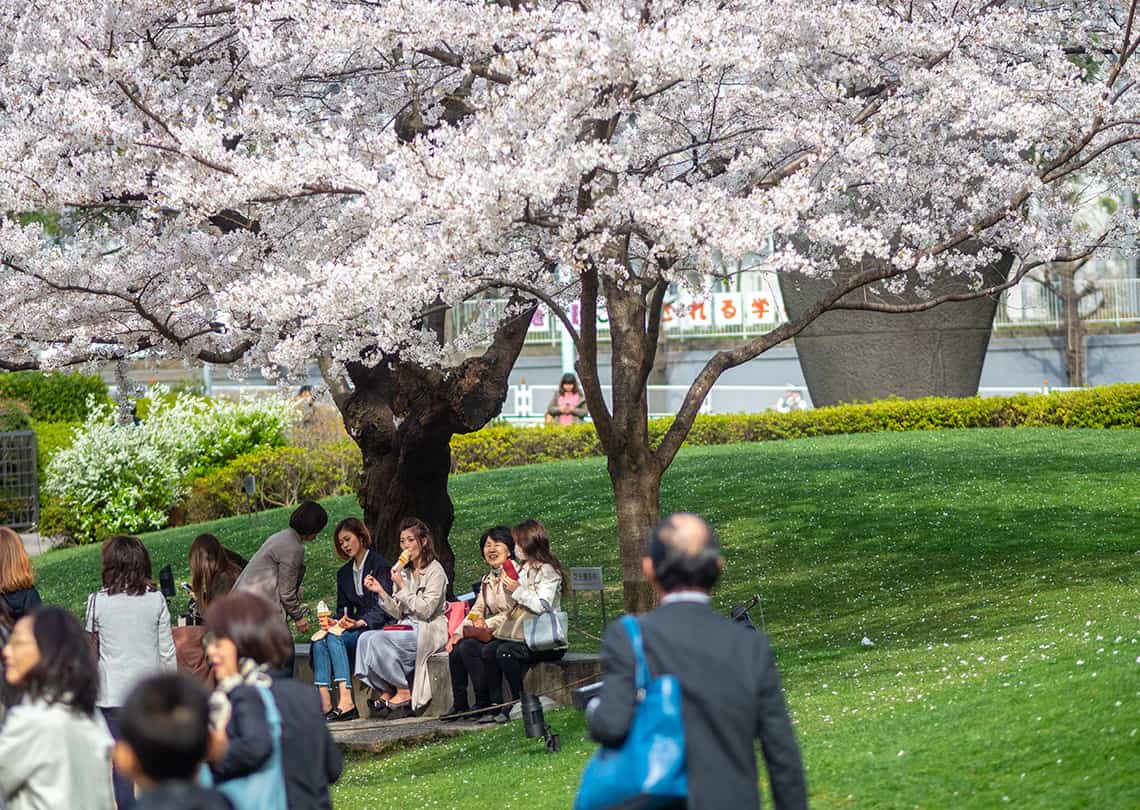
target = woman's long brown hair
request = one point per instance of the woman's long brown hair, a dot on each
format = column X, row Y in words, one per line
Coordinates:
column 208, row 561
column 15, row 567
column 531, row 537
column 126, row 566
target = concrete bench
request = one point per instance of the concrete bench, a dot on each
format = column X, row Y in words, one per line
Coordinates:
column 555, row 679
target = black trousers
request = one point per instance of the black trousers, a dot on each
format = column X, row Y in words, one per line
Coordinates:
column 515, row 660
column 124, row 787
column 475, row 660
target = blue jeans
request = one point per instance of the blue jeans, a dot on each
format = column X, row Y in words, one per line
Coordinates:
column 330, row 658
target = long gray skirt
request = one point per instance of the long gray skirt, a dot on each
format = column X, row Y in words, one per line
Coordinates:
column 385, row 659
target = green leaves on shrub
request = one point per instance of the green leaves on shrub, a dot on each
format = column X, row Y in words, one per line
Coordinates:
column 1112, row 406
column 283, row 475
column 54, row 396
column 125, row 478
column 13, row 416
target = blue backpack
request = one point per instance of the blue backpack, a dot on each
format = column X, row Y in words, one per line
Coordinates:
column 648, row 770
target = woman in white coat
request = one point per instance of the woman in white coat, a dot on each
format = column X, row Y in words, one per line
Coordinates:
column 537, row 590
column 55, row 751
column 393, row 661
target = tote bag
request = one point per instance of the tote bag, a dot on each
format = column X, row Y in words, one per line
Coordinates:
column 648, row 770
column 547, row 630
column 264, row 789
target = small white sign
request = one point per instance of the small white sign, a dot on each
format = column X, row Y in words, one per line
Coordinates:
column 586, row 579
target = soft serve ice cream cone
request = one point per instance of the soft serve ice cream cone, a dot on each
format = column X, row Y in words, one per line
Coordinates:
column 323, row 619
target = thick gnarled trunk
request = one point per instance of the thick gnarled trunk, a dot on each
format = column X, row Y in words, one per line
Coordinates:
column 402, row 417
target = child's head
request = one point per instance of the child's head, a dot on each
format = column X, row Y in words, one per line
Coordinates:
column 165, row 730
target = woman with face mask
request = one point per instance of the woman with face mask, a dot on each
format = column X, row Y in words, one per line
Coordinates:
column 538, row 589
column 472, row 647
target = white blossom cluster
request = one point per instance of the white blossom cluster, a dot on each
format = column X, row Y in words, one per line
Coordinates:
column 277, row 180
column 117, row 478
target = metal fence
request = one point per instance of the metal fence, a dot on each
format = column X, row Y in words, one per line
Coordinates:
column 1115, row 301
column 19, row 492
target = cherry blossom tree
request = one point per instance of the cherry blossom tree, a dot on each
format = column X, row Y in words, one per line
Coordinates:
column 279, row 181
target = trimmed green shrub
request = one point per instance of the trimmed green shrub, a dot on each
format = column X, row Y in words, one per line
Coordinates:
column 51, row 437
column 1111, row 406
column 284, row 476
column 13, row 416
column 54, row 396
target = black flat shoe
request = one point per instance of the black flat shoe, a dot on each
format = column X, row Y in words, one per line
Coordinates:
column 453, row 714
column 400, row 711
column 378, row 710
column 330, row 714
column 341, row 716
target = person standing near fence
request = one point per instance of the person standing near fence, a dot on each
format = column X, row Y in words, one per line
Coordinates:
column 730, row 688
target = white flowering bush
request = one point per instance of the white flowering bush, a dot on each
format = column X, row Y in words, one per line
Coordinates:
column 125, row 478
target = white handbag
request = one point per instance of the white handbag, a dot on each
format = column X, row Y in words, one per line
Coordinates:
column 547, row 630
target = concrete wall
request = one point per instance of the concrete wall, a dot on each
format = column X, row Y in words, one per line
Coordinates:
column 1009, row 363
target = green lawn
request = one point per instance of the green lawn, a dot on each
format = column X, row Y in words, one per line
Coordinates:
column 995, row 571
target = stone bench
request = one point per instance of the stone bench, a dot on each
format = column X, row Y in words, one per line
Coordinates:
column 555, row 679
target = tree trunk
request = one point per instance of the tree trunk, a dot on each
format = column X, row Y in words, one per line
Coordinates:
column 405, row 462
column 637, row 488
column 402, row 417
column 1074, row 328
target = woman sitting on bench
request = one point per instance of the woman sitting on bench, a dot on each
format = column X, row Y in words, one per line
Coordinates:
column 538, row 589
column 472, row 646
column 386, row 659
column 357, row 610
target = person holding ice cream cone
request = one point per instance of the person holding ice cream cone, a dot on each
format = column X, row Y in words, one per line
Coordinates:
column 358, row 609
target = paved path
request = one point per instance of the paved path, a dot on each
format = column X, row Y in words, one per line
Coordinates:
column 379, row 736
column 35, row 544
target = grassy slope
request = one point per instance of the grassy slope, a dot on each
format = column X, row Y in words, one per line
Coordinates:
column 996, row 573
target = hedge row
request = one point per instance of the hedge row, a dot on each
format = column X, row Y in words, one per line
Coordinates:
column 288, row 474
column 1113, row 406
column 53, row 396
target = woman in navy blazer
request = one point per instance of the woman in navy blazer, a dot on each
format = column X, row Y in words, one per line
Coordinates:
column 357, row 610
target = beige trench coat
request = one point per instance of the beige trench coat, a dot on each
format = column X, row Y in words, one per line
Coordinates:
column 423, row 598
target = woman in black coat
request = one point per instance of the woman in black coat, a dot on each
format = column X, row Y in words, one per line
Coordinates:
column 246, row 643
column 357, row 610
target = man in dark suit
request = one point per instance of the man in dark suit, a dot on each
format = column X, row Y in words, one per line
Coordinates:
column 730, row 687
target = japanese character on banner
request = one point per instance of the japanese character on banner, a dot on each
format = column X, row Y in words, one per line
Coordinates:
column 700, row 312
column 759, row 308
column 669, row 319
column 728, row 309
column 540, row 319
column 576, row 314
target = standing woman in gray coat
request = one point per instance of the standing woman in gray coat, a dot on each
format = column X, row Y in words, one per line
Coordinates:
column 130, row 628
column 386, row 659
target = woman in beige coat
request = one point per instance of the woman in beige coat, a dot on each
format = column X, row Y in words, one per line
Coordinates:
column 386, row 659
